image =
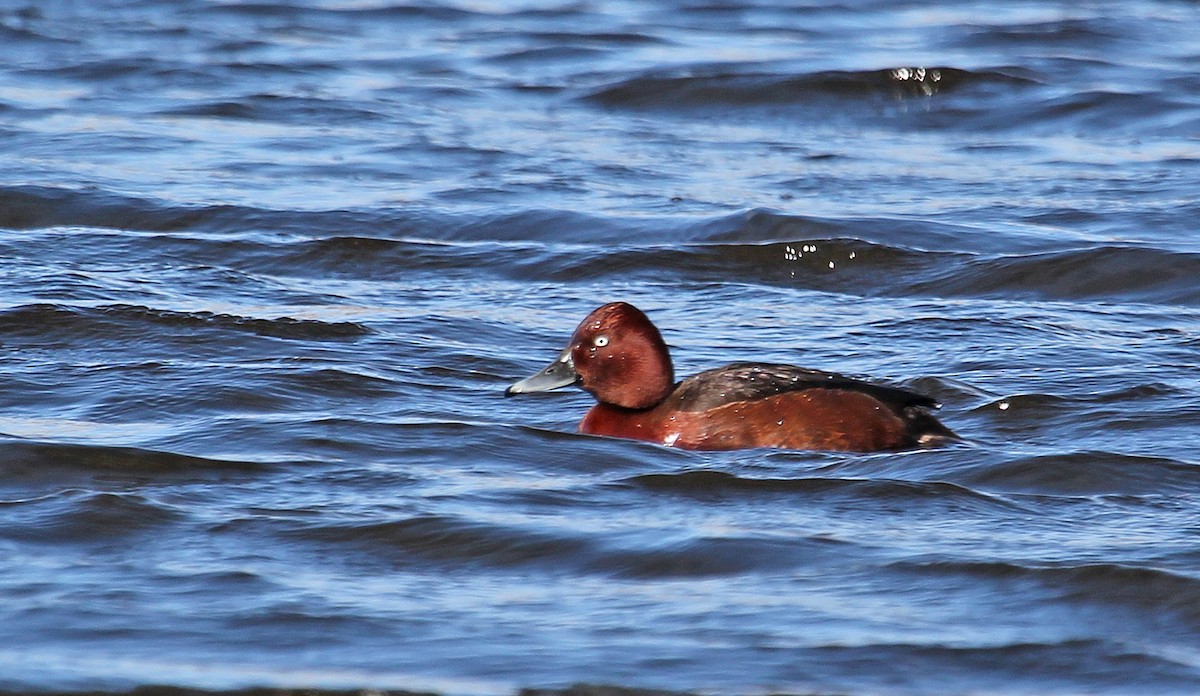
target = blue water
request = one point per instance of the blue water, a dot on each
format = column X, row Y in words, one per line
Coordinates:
column 266, row 269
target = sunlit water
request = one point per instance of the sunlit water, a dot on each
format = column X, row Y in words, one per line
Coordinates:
column 266, row 269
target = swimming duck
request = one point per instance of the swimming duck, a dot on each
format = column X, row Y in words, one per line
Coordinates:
column 617, row 355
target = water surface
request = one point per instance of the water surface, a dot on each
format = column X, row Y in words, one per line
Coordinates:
column 266, row 269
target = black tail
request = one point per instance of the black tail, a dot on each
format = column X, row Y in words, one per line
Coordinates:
column 925, row 429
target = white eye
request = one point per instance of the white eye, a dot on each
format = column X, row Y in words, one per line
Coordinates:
column 600, row 341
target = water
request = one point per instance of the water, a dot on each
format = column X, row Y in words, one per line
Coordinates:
column 266, row 269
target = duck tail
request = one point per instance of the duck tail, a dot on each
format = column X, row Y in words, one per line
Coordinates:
column 926, row 430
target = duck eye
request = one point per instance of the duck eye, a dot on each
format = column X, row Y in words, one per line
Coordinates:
column 600, row 341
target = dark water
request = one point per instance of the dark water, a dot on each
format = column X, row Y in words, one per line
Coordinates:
column 266, row 268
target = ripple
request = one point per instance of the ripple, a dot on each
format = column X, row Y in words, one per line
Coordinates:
column 267, row 266
column 714, row 557
column 1088, row 473
column 448, row 539
column 1136, row 274
column 1161, row 592
column 51, row 460
column 76, row 516
column 114, row 321
column 710, row 483
column 742, row 89
column 276, row 108
column 1046, row 666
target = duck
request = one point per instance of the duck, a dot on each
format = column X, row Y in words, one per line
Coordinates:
column 618, row 355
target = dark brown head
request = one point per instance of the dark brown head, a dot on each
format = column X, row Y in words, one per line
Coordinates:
column 617, row 355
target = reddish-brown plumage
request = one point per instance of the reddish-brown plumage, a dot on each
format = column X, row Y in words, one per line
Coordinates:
column 633, row 367
column 620, row 357
column 812, row 419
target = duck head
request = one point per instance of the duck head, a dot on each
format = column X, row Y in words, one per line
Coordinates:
column 615, row 354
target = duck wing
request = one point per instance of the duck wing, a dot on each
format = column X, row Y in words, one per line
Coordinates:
column 750, row 381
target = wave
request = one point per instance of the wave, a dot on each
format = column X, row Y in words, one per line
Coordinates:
column 449, row 539
column 710, row 483
column 28, row 207
column 864, row 257
column 276, row 108
column 1038, row 33
column 457, row 541
column 712, row 557
column 24, row 459
column 83, row 516
column 828, row 265
column 39, row 207
column 847, row 256
column 45, row 321
column 1165, row 592
column 1129, row 273
column 1068, row 665
column 51, row 486
column 320, row 15
column 1087, row 473
column 724, row 88
column 579, row 689
column 979, row 100
column 856, row 267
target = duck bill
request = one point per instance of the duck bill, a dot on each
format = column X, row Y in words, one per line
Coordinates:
column 560, row 373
